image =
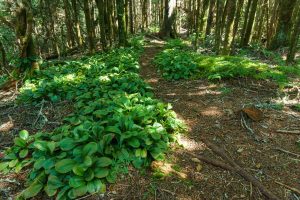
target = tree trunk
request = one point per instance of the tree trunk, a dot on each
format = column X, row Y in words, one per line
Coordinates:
column 229, row 27
column 76, row 22
column 294, row 41
column 197, row 24
column 144, row 15
column 250, row 23
column 281, row 37
column 131, row 25
column 89, row 26
column 24, row 30
column 236, row 24
column 210, row 18
column 220, row 5
column 101, row 10
column 247, row 11
column 121, row 23
column 168, row 29
column 202, row 15
column 69, row 26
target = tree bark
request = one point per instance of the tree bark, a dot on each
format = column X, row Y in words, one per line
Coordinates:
column 236, row 24
column 89, row 26
column 250, row 23
column 210, row 18
column 168, row 29
column 281, row 37
column 101, row 10
column 77, row 23
column 294, row 40
column 229, row 27
column 121, row 23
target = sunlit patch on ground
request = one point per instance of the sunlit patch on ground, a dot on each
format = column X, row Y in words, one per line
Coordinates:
column 190, row 144
column 212, row 111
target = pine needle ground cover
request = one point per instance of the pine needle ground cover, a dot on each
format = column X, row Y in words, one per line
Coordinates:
column 116, row 122
column 177, row 61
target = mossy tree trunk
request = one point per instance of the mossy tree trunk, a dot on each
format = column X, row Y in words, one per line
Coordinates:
column 77, row 23
column 218, row 36
column 284, row 25
column 229, row 27
column 89, row 26
column 24, row 30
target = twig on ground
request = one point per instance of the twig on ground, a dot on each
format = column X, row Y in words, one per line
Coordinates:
column 168, row 191
column 84, row 197
column 239, row 170
column 288, row 187
column 287, row 152
column 40, row 113
column 295, row 132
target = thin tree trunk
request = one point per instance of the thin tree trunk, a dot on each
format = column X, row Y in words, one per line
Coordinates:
column 220, row 5
column 121, row 23
column 89, row 26
column 229, row 27
column 210, row 18
column 294, row 40
column 131, row 17
column 77, row 23
column 250, row 23
column 69, row 26
column 101, row 10
column 247, row 11
column 236, row 24
column 3, row 63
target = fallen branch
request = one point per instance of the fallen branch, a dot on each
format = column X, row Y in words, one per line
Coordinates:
column 289, row 187
column 296, row 132
column 239, row 170
column 287, row 152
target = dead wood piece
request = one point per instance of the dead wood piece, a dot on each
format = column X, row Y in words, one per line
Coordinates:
column 287, row 152
column 253, row 113
column 296, row 132
column 239, row 170
column 288, row 187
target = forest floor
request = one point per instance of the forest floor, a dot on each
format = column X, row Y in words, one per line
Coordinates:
column 210, row 110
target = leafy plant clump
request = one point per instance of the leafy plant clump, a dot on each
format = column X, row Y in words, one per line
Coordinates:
column 175, row 63
column 116, row 122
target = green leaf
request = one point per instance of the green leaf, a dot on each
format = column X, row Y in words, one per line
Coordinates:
column 65, row 166
column 101, row 172
column 20, row 142
column 67, row 144
column 141, row 153
column 87, row 162
column 90, row 148
column 113, row 129
column 96, row 186
column 50, row 191
column 51, row 146
column 41, row 145
column 103, row 162
column 77, row 192
column 62, row 194
column 134, row 142
column 76, row 181
column 38, row 164
column 54, row 182
column 24, row 134
column 13, row 163
column 23, row 153
column 3, row 165
column 89, row 175
column 32, row 190
column 78, row 170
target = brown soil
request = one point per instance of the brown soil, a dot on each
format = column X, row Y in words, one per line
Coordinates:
column 210, row 110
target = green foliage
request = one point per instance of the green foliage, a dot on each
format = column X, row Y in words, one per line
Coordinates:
column 271, row 106
column 296, row 107
column 3, row 79
column 115, row 122
column 175, row 63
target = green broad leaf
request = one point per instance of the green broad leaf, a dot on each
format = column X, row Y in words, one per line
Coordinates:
column 65, row 166
column 23, row 153
column 100, row 113
column 32, row 190
column 10, row 156
column 101, row 172
column 96, row 186
column 62, row 193
column 50, row 191
column 76, row 181
column 67, row 144
column 77, row 192
column 39, row 163
column 3, row 165
column 89, row 175
column 90, row 148
column 24, row 135
column 103, row 162
column 54, row 182
column 20, row 142
column 49, row 163
column 87, row 162
column 13, row 163
column 155, row 135
column 157, row 154
column 41, row 145
column 113, row 129
column 78, row 170
column 134, row 142
column 112, row 177
column 61, row 155
column 141, row 153
column 138, row 163
column 51, row 146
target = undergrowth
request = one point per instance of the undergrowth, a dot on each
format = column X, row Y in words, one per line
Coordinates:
column 116, row 122
column 175, row 63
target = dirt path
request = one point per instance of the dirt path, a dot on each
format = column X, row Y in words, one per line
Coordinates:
column 211, row 110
